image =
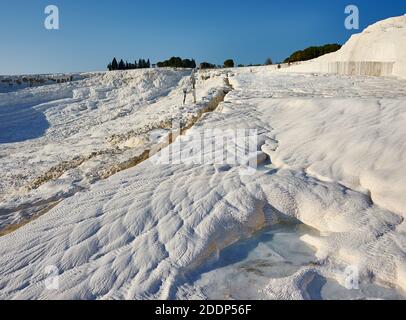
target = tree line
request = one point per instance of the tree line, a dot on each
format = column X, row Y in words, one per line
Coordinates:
column 176, row 62
column 312, row 53
column 141, row 64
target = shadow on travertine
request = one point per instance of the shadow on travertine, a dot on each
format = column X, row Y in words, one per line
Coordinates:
column 21, row 124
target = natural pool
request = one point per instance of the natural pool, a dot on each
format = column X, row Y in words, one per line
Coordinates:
column 244, row 269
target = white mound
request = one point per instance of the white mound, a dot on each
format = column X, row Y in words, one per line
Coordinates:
column 336, row 163
column 380, row 50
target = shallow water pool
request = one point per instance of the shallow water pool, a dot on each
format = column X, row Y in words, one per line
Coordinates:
column 244, row 269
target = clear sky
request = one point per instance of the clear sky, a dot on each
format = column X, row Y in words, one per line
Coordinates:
column 92, row 32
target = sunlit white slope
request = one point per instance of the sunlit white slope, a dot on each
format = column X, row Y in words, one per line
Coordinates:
column 57, row 139
column 335, row 161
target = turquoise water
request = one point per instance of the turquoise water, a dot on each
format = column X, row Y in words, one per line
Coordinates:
column 244, row 269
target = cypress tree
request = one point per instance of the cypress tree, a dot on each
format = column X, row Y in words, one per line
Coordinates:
column 114, row 64
column 121, row 65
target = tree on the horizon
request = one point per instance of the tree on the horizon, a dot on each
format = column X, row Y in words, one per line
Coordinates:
column 207, row 65
column 229, row 63
column 114, row 64
column 268, row 62
column 142, row 63
column 177, row 62
column 121, row 65
column 312, row 53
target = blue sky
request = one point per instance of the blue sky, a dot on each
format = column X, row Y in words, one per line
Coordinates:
column 94, row 31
